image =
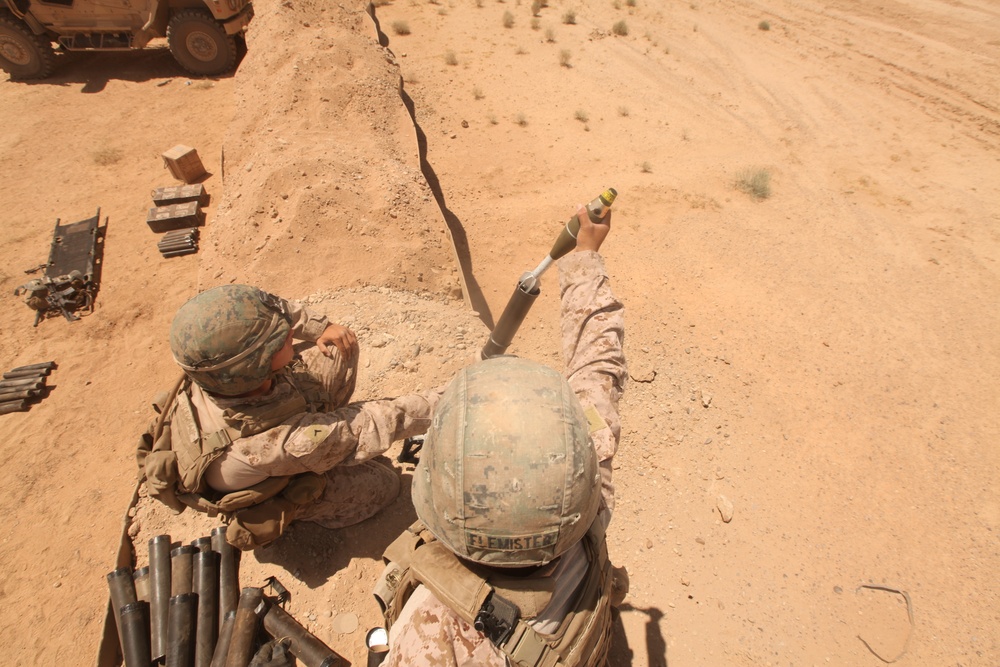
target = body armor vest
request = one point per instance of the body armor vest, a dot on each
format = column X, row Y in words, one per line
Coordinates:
column 500, row 604
column 174, row 454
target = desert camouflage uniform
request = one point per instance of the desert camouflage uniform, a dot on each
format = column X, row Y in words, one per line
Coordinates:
column 338, row 439
column 429, row 633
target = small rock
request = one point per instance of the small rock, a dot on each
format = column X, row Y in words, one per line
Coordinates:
column 685, row 581
column 345, row 623
column 725, row 507
column 57, row 584
column 134, row 528
column 700, row 540
column 649, row 543
column 706, row 399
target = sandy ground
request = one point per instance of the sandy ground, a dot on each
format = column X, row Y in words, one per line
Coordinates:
column 822, row 361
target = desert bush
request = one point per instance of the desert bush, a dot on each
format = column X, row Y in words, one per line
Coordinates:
column 620, row 28
column 623, row 112
column 755, row 182
column 581, row 116
column 550, row 35
column 508, row 20
column 630, row 3
column 401, row 27
column 646, row 168
column 536, row 23
column 478, row 93
column 106, row 157
column 763, row 25
column 564, row 57
column 536, row 7
column 521, row 120
column 569, row 18
column 450, row 58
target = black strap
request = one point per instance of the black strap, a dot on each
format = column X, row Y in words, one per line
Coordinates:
column 497, row 619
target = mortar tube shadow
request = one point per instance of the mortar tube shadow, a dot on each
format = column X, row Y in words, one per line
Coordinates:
column 621, row 655
column 474, row 292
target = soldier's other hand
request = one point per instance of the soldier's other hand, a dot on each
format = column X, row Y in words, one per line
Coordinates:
column 339, row 336
column 274, row 653
column 591, row 234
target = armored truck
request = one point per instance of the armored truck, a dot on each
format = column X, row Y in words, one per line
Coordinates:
column 201, row 34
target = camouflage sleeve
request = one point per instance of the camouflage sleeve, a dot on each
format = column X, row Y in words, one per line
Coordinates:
column 593, row 332
column 429, row 634
column 319, row 441
column 307, row 325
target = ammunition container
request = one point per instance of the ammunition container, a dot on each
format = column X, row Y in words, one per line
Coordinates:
column 133, row 621
column 141, row 579
column 245, row 627
column 180, row 630
column 180, row 570
column 174, row 216
column 222, row 645
column 159, row 593
column 306, row 647
column 122, row 590
column 178, row 194
column 229, row 581
column 206, row 587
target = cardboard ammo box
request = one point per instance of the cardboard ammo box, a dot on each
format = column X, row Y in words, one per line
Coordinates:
column 174, row 216
column 179, row 194
column 184, row 163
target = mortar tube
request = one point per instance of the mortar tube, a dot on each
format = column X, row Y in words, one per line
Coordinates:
column 245, row 627
column 30, row 373
column 222, row 645
column 229, row 581
column 177, row 247
column 181, row 232
column 13, row 406
column 141, row 580
column 306, row 647
column 509, row 322
column 205, row 578
column 44, row 365
column 133, row 620
column 167, row 240
column 122, row 589
column 163, row 245
column 159, row 593
column 180, row 630
column 180, row 570
column 23, row 383
column 7, row 396
column 179, row 253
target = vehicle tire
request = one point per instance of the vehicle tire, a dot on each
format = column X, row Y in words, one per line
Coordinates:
column 23, row 54
column 199, row 43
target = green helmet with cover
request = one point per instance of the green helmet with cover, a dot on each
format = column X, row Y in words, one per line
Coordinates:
column 225, row 337
column 508, row 476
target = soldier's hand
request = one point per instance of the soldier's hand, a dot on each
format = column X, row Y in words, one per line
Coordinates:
column 275, row 653
column 591, row 234
column 339, row 336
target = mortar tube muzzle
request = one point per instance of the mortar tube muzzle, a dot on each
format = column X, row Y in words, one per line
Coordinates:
column 222, row 644
column 122, row 588
column 510, row 321
column 229, row 580
column 180, row 630
column 205, row 579
column 159, row 593
column 133, row 621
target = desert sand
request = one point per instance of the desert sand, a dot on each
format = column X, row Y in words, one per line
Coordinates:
column 818, row 366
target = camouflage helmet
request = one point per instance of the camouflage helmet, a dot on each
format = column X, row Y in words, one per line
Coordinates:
column 225, row 337
column 508, row 476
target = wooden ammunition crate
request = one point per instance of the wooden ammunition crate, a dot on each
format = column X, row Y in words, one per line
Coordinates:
column 184, row 163
column 179, row 194
column 174, row 216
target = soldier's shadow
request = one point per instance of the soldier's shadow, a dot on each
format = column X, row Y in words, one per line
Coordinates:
column 316, row 553
column 622, row 655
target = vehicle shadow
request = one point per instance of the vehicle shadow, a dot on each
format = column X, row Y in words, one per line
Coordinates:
column 93, row 70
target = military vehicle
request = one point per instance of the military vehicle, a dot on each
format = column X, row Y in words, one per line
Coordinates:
column 201, row 34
